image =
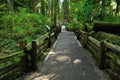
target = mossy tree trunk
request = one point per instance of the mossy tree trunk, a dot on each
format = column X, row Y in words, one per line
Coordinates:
column 55, row 11
column 43, row 7
column 103, row 11
column 117, row 7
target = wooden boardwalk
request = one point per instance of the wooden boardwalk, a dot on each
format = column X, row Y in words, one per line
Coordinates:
column 68, row 60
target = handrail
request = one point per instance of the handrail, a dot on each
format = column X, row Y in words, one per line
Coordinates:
column 113, row 47
column 101, row 50
column 27, row 56
column 41, row 38
column 82, row 31
column 37, row 48
column 108, row 55
column 28, row 47
column 94, row 41
column 12, row 55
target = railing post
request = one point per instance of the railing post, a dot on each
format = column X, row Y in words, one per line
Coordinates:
column 22, row 44
column 85, row 39
column 49, row 40
column 25, row 59
column 56, row 33
column 102, row 56
column 76, row 33
column 34, row 55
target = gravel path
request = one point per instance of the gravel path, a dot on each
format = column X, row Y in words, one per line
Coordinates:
column 68, row 60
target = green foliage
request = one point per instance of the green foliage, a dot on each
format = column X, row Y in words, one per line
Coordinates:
column 3, row 7
column 19, row 25
column 32, row 37
column 74, row 25
column 112, row 18
column 89, row 10
column 22, row 23
column 82, row 10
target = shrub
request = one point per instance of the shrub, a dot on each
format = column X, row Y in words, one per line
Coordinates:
column 23, row 23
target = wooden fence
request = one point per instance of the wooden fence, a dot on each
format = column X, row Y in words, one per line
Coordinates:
column 107, row 55
column 26, row 60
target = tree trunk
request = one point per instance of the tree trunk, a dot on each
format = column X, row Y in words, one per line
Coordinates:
column 11, row 5
column 103, row 11
column 55, row 12
column 43, row 7
column 58, row 11
column 32, row 6
column 66, row 10
column 117, row 7
column 52, row 11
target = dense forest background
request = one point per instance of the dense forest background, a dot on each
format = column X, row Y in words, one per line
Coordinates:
column 26, row 19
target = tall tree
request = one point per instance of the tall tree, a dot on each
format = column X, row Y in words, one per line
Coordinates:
column 11, row 5
column 43, row 7
column 103, row 10
column 55, row 11
column 117, row 7
column 32, row 4
column 66, row 10
column 52, row 11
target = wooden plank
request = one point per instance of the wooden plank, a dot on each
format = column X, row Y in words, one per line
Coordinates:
column 85, row 39
column 94, row 53
column 34, row 55
column 113, row 75
column 102, row 55
column 113, row 47
column 52, row 34
column 94, row 41
column 11, row 75
column 82, row 32
column 115, row 67
column 113, row 62
column 42, row 49
column 7, row 58
column 96, row 48
column 28, row 47
column 42, row 38
column 25, row 59
column 9, row 68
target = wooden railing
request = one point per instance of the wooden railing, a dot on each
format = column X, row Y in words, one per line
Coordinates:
column 107, row 55
column 26, row 60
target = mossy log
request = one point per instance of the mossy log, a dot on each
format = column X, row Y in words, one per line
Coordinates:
column 103, row 35
column 106, row 27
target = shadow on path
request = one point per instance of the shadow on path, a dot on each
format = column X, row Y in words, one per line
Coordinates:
column 68, row 60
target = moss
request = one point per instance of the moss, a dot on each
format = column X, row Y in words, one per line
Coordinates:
column 115, row 39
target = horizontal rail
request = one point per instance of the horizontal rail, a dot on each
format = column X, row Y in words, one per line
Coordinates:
column 28, row 56
column 9, row 68
column 106, row 54
column 42, row 38
column 113, row 47
column 18, row 54
column 94, row 41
